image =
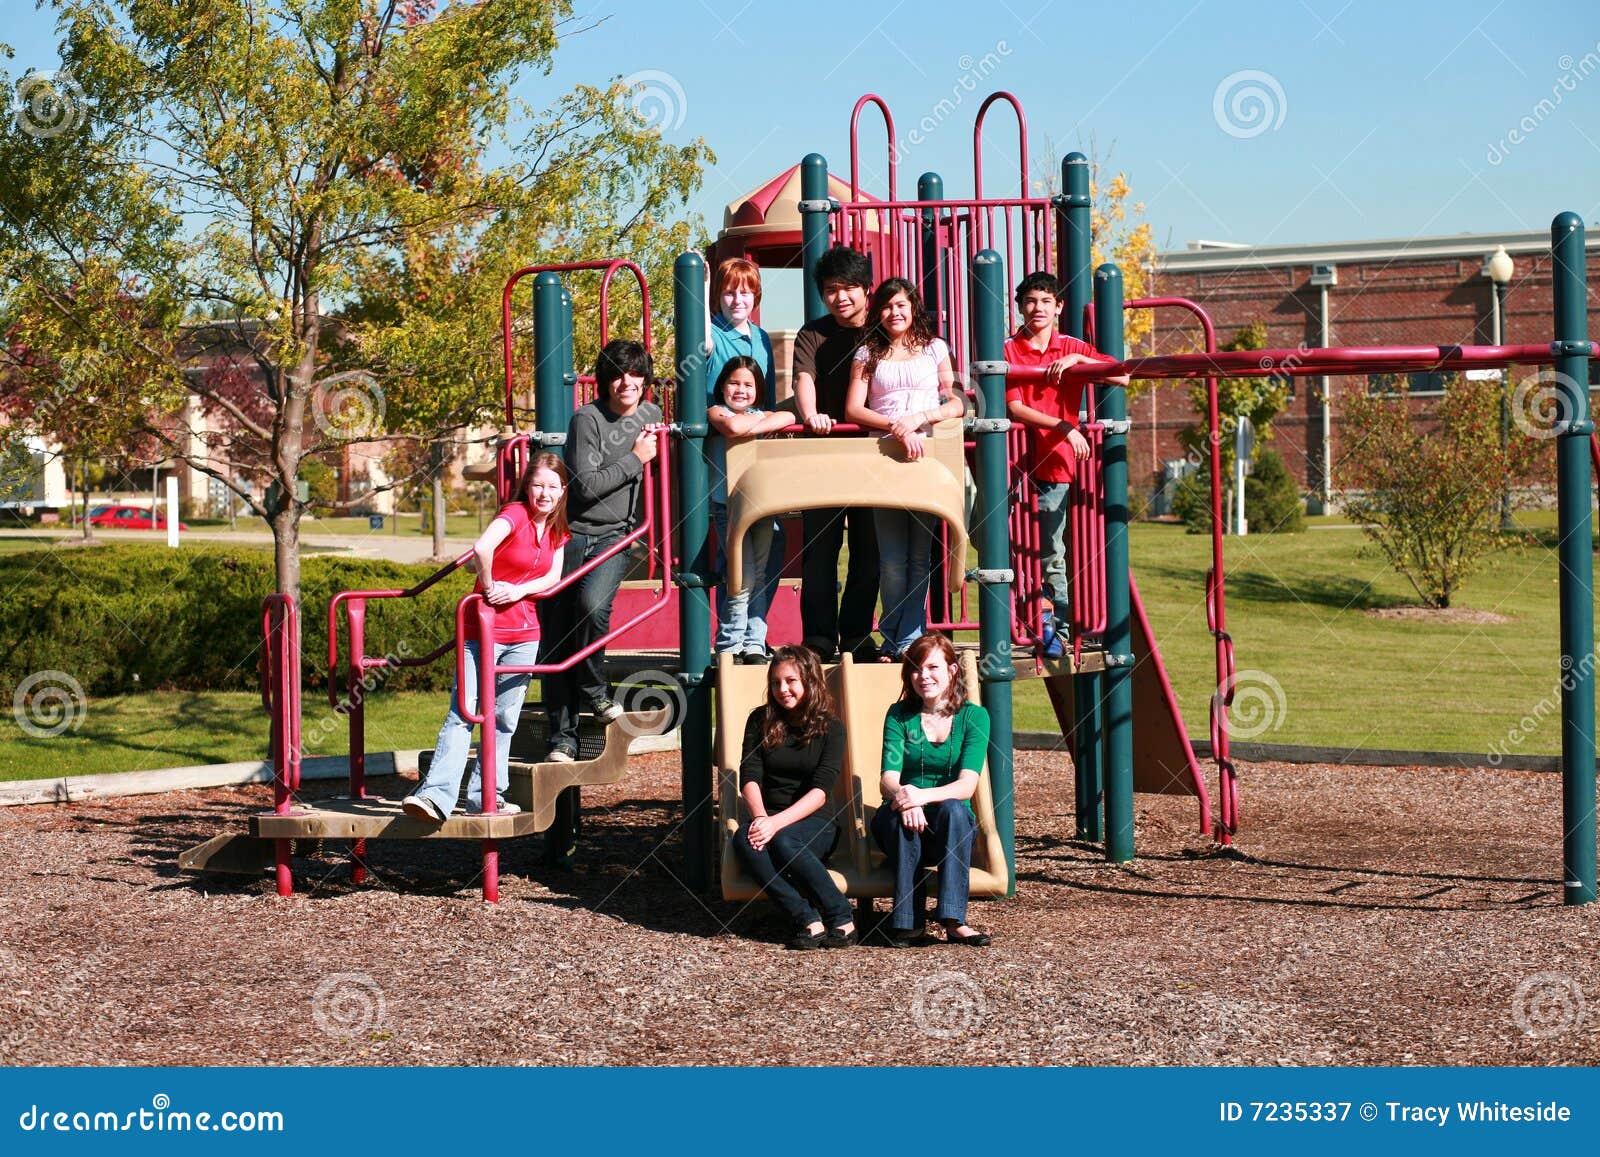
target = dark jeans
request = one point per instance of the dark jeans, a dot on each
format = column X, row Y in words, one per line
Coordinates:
column 792, row 871
column 568, row 623
column 946, row 845
column 828, row 620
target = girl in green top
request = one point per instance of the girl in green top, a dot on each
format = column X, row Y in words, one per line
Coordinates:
column 934, row 745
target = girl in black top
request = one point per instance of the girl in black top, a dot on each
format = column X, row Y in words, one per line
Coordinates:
column 793, row 750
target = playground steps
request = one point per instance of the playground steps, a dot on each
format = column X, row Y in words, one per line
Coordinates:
column 382, row 819
column 862, row 694
column 535, row 786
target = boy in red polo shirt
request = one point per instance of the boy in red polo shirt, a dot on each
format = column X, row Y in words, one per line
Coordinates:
column 1049, row 408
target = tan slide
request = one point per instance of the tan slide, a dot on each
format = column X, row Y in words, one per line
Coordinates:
column 862, row 695
column 768, row 477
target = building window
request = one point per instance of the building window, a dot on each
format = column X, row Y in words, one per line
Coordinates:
column 1421, row 385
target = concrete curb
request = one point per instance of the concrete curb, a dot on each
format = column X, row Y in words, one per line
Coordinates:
column 80, row 788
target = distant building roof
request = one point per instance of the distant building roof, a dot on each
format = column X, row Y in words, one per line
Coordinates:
column 1211, row 256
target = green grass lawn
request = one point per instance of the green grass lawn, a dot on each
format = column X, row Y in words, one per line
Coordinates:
column 1297, row 610
column 180, row 728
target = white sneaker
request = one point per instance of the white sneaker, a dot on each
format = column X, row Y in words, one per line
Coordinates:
column 607, row 710
column 506, row 808
column 421, row 808
column 559, row 755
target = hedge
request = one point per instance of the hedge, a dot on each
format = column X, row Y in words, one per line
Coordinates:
column 129, row 617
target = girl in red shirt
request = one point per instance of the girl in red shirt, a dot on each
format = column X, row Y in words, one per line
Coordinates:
column 518, row 556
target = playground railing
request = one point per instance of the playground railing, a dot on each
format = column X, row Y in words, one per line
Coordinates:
column 280, row 695
column 654, row 527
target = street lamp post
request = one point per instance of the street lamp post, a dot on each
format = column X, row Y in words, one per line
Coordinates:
column 1498, row 267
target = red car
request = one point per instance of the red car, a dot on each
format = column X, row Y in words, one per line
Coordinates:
column 130, row 518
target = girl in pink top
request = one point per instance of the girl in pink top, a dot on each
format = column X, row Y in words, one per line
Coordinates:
column 518, row 555
column 901, row 383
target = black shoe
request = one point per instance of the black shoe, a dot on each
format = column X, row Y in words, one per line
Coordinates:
column 904, row 938
column 803, row 941
column 864, row 652
column 826, row 652
column 751, row 658
column 838, row 938
column 973, row 939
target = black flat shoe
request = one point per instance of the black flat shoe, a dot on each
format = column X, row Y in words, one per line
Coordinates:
column 805, row 941
column 905, row 939
column 975, row 940
column 838, row 938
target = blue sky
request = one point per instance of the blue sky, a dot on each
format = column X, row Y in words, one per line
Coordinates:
column 1382, row 119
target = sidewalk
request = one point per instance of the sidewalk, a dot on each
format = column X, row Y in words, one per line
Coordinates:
column 374, row 544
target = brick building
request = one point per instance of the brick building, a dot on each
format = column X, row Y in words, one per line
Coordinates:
column 1419, row 291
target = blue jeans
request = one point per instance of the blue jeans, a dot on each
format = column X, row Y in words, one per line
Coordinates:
column 792, row 870
column 946, row 845
column 742, row 619
column 443, row 783
column 1053, row 542
column 570, row 621
column 905, row 559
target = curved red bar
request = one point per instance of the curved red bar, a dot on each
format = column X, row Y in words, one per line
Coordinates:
column 855, row 142
column 977, row 142
column 610, row 266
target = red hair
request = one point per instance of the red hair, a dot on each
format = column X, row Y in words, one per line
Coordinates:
column 738, row 273
column 955, row 695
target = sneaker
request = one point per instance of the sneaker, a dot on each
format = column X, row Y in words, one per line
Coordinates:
column 560, row 755
column 1056, row 648
column 505, row 808
column 753, row 658
column 607, row 710
column 420, row 808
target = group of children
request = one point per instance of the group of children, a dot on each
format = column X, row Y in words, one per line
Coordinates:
column 873, row 361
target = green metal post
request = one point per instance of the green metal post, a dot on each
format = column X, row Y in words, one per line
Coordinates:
column 1074, row 223
column 1576, row 560
column 568, row 360
column 1111, row 406
column 694, row 604
column 553, row 379
column 552, row 356
column 994, row 545
column 930, row 187
column 813, row 228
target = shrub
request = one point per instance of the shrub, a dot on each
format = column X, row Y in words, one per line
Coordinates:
column 1271, row 497
column 1429, row 497
column 121, row 618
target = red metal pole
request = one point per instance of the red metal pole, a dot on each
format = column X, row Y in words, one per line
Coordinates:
column 488, row 764
column 888, row 126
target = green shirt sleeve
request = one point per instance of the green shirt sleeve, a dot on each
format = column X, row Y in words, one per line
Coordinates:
column 974, row 738
column 894, row 741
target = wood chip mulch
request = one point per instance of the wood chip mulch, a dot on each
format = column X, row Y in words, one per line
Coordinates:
column 1379, row 916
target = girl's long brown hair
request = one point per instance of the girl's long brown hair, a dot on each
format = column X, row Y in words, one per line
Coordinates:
column 556, row 527
column 955, row 696
column 814, row 712
column 918, row 337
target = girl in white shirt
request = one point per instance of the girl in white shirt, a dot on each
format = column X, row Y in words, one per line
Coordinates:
column 902, row 383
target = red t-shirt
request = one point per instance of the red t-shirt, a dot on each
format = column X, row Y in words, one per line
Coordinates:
column 524, row 556
column 1051, row 459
